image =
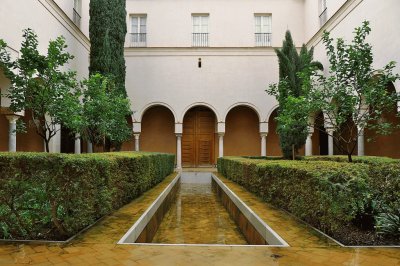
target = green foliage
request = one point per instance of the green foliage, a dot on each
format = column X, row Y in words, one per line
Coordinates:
column 327, row 195
column 105, row 111
column 39, row 84
column 292, row 125
column 54, row 196
column 107, row 30
column 388, row 224
column 327, row 192
column 292, row 121
column 354, row 93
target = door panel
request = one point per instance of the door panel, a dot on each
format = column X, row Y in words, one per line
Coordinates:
column 198, row 138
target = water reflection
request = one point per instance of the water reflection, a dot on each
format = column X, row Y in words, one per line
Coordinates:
column 197, row 216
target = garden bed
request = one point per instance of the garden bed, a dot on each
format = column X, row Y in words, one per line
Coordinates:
column 348, row 201
column 54, row 196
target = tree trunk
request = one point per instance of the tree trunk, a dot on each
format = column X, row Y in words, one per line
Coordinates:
column 55, row 220
column 350, row 159
column 293, row 153
column 47, row 145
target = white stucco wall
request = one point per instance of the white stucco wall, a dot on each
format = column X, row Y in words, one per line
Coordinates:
column 233, row 70
column 231, row 22
column 226, row 78
column 384, row 37
column 68, row 5
column 49, row 22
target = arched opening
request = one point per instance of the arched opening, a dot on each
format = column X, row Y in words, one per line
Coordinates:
column 242, row 134
column 320, row 137
column 348, row 138
column 198, row 138
column 67, row 140
column 385, row 145
column 273, row 147
column 158, row 130
column 30, row 140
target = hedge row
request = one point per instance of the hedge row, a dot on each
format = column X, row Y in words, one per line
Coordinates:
column 327, row 194
column 383, row 179
column 54, row 196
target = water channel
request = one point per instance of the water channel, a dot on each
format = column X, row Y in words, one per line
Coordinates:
column 197, row 216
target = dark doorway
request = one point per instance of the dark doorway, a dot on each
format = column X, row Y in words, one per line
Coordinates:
column 67, row 141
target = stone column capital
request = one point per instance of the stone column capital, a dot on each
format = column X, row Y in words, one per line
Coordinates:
column 221, row 134
column 330, row 130
column 178, row 135
column 263, row 134
column 12, row 118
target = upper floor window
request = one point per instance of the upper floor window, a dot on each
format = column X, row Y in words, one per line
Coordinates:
column 77, row 12
column 323, row 14
column 263, row 32
column 138, row 30
column 200, row 30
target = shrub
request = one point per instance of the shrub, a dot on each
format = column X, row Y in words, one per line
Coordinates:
column 327, row 195
column 326, row 191
column 388, row 223
column 383, row 181
column 54, row 196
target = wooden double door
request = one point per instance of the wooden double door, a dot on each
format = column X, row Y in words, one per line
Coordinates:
column 198, row 138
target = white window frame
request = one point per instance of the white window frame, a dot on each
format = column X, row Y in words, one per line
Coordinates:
column 138, row 32
column 323, row 12
column 200, row 29
column 263, row 29
column 77, row 11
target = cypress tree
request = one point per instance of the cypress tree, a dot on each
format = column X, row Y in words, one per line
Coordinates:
column 107, row 31
column 292, row 129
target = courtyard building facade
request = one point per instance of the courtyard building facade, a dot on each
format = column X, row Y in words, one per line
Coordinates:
column 197, row 71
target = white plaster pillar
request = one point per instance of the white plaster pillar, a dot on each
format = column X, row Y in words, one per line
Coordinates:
column 137, row 144
column 78, row 144
column 309, row 147
column 264, row 144
column 12, row 133
column 330, row 141
column 221, row 145
column 179, row 151
column 398, row 106
column 55, row 141
column 89, row 147
column 361, row 142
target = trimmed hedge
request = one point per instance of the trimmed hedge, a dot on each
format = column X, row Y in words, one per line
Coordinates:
column 329, row 194
column 356, row 159
column 54, row 196
column 383, row 180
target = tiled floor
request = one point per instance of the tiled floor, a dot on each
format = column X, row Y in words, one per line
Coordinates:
column 98, row 245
